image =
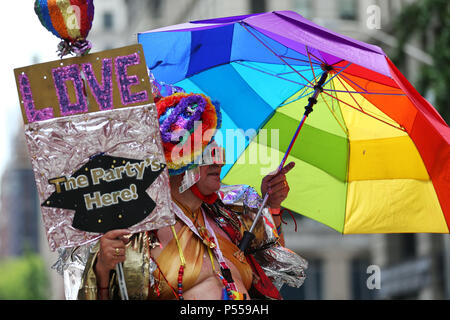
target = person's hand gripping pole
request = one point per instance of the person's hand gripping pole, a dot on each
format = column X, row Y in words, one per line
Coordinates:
column 274, row 185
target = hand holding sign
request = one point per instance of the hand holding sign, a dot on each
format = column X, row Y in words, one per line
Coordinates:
column 111, row 252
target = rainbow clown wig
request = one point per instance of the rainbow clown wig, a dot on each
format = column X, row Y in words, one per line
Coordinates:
column 188, row 123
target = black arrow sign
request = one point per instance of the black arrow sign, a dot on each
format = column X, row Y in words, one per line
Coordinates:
column 107, row 192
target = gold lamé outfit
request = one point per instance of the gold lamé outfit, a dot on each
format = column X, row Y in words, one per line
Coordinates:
column 137, row 266
column 279, row 265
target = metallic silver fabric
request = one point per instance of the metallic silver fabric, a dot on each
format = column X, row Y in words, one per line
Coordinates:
column 191, row 177
column 60, row 146
column 70, row 265
column 246, row 198
column 282, row 266
column 241, row 195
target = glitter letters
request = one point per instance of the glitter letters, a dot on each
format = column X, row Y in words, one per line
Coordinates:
column 28, row 102
column 103, row 94
column 60, row 76
column 125, row 81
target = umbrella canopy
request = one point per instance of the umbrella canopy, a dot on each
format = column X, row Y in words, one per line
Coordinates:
column 373, row 157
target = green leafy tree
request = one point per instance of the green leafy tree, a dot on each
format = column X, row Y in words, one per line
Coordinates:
column 23, row 278
column 429, row 21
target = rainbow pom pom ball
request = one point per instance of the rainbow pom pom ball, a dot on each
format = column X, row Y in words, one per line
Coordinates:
column 70, row 20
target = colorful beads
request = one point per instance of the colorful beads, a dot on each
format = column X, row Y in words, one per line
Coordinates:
column 226, row 286
column 180, row 282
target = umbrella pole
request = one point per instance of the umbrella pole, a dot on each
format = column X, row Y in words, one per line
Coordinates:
column 121, row 281
column 318, row 88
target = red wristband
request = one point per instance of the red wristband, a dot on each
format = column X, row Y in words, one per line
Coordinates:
column 275, row 212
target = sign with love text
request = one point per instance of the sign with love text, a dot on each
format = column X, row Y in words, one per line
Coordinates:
column 96, row 82
column 92, row 133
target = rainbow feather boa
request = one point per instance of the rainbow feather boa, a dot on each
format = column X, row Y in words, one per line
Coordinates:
column 179, row 117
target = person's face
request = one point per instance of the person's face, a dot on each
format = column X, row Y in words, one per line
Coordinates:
column 209, row 178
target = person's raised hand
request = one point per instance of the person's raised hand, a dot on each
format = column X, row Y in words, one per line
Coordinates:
column 276, row 185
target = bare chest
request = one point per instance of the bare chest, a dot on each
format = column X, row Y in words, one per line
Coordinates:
column 208, row 279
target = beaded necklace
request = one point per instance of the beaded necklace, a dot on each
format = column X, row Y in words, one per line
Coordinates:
column 151, row 235
column 225, row 283
column 179, row 292
column 210, row 241
column 182, row 265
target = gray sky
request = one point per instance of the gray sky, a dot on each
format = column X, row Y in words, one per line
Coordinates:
column 23, row 37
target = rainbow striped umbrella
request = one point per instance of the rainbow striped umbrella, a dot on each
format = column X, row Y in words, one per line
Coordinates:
column 373, row 157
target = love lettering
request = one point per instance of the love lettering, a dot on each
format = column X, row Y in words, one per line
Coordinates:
column 114, row 75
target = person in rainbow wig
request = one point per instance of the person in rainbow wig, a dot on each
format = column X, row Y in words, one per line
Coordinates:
column 198, row 257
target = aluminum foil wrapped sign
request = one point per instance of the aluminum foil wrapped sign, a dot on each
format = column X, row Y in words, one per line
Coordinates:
column 93, row 136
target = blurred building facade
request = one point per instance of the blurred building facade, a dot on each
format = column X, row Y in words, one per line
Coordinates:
column 19, row 204
column 411, row 266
